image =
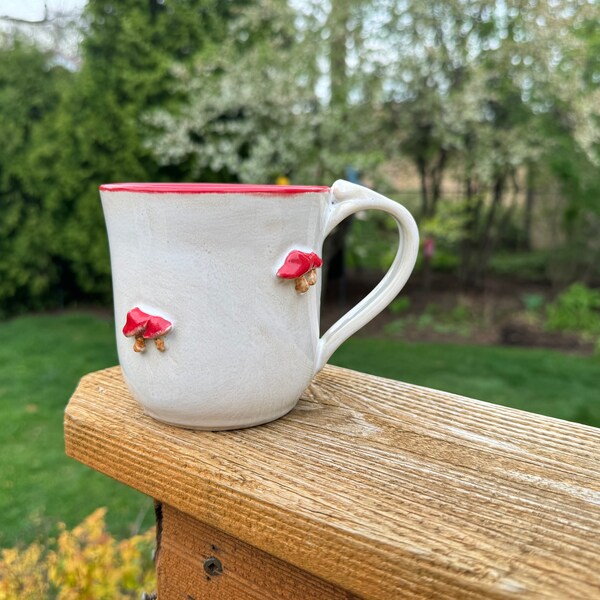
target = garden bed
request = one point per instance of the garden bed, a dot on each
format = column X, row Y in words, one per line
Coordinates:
column 500, row 314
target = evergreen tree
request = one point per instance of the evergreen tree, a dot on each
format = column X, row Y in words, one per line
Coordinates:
column 29, row 91
column 98, row 133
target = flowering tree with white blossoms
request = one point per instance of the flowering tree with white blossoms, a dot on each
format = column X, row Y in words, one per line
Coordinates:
column 484, row 90
column 258, row 105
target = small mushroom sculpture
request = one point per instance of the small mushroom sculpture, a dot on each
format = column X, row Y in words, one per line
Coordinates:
column 156, row 328
column 135, row 326
column 143, row 326
column 316, row 262
column 302, row 267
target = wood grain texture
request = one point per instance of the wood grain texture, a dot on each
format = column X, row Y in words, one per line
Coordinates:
column 383, row 489
column 248, row 573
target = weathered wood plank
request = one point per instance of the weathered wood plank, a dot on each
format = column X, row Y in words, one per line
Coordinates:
column 247, row 573
column 381, row 488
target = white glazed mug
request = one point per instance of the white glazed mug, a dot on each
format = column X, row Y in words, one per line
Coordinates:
column 243, row 344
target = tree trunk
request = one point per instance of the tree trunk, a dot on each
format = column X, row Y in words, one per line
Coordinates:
column 335, row 245
column 529, row 203
column 437, row 176
column 467, row 247
column 480, row 240
column 338, row 27
column 497, row 195
column 422, row 169
column 430, row 180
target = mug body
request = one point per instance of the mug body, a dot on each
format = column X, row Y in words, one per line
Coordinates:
column 204, row 257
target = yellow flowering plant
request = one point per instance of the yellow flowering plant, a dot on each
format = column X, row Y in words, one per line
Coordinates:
column 86, row 563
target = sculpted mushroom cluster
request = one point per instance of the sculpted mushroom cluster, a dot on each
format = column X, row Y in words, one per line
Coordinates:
column 302, row 268
column 143, row 326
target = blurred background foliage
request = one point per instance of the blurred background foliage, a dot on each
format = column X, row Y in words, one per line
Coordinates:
column 483, row 117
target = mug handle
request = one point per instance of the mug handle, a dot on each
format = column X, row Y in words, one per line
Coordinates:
column 347, row 199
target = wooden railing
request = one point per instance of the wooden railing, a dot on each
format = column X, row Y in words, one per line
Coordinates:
column 369, row 488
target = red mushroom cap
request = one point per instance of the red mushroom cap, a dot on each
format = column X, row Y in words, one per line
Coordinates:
column 296, row 264
column 157, row 326
column 136, row 322
column 315, row 260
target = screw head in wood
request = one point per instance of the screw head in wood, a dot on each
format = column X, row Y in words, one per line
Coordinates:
column 213, row 566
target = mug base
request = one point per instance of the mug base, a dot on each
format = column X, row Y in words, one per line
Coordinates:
column 224, row 427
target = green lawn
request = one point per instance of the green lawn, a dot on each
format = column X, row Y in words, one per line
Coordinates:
column 41, row 360
column 42, row 357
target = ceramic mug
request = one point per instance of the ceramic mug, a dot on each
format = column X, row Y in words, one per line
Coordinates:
column 217, row 289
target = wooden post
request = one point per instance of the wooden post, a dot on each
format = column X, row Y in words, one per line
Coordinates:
column 370, row 488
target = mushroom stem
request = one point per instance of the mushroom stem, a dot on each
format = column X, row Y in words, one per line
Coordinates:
column 140, row 344
column 311, row 276
column 160, row 344
column 302, row 285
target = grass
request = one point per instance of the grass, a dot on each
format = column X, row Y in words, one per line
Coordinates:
column 42, row 358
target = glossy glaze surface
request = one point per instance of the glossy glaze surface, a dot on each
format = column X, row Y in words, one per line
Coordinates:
column 244, row 343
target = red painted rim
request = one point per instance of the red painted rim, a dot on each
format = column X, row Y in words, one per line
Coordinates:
column 211, row 188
